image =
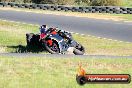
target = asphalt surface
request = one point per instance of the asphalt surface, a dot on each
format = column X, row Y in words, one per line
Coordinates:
column 65, row 56
column 101, row 28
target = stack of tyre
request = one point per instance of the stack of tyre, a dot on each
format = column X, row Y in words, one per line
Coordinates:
column 90, row 9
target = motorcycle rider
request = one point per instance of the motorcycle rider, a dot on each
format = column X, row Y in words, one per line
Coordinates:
column 43, row 30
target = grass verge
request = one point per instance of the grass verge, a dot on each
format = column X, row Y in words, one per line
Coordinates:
column 13, row 39
column 48, row 72
column 128, row 3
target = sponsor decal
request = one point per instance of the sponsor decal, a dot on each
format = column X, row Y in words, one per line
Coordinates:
column 82, row 78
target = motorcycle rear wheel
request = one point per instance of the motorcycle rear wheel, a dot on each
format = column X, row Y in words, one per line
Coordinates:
column 54, row 49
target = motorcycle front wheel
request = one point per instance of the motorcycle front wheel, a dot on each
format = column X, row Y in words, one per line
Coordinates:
column 79, row 50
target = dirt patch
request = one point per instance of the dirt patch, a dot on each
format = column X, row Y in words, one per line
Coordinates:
column 2, row 49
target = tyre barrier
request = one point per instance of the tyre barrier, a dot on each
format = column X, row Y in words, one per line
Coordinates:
column 3, row 4
column 89, row 9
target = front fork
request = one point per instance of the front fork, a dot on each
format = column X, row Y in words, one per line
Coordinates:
column 64, row 46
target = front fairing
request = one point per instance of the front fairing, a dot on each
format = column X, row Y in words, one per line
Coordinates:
column 63, row 45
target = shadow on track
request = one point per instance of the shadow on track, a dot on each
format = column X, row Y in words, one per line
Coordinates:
column 26, row 49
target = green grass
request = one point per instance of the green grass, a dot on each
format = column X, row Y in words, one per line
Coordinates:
column 10, row 32
column 13, row 39
column 97, row 46
column 47, row 72
column 14, row 34
column 128, row 3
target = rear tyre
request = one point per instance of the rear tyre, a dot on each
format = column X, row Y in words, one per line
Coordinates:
column 53, row 49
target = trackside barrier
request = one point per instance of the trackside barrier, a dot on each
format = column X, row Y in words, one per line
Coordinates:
column 89, row 9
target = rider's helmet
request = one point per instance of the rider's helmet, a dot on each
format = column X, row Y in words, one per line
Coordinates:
column 43, row 26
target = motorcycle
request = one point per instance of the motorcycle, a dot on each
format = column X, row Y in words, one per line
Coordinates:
column 55, row 42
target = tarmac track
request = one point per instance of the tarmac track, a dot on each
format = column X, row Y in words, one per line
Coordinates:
column 121, row 31
column 23, row 55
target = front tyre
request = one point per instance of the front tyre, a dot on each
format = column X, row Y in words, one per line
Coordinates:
column 79, row 50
